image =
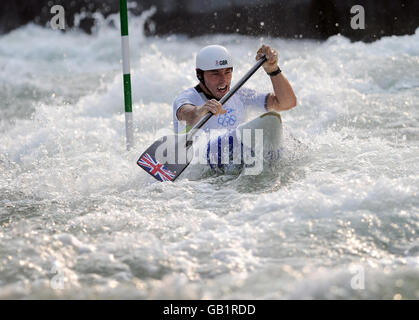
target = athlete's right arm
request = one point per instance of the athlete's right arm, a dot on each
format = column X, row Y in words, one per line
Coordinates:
column 192, row 114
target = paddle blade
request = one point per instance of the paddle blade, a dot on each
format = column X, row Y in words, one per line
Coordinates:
column 166, row 158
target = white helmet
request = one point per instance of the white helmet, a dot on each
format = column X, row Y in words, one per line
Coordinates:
column 213, row 57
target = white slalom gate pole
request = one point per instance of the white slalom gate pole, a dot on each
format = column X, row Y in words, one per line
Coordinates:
column 126, row 74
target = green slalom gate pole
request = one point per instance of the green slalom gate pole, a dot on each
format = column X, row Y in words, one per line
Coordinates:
column 126, row 73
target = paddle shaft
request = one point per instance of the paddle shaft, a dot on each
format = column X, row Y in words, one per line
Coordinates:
column 224, row 99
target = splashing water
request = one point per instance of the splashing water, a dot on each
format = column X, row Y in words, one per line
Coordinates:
column 338, row 219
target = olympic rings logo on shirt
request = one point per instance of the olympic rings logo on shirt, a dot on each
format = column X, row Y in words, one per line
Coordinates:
column 227, row 119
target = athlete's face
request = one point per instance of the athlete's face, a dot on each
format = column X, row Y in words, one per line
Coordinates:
column 218, row 81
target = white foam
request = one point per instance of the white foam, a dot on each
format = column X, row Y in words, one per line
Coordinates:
column 348, row 191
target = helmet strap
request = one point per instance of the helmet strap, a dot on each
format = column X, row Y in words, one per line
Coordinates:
column 200, row 76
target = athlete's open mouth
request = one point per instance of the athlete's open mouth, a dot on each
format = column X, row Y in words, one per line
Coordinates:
column 222, row 89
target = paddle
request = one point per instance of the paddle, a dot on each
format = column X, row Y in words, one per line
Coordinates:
column 154, row 160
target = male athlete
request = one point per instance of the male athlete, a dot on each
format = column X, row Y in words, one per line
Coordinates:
column 214, row 69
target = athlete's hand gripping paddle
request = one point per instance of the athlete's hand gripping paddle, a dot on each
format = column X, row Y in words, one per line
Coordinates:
column 168, row 157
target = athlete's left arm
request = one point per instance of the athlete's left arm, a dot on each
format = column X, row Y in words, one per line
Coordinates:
column 283, row 97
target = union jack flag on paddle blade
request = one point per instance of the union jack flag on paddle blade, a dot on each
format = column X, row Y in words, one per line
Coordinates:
column 156, row 169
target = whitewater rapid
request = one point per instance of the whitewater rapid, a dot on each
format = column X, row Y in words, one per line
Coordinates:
column 79, row 219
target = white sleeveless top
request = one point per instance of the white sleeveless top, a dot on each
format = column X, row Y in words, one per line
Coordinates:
column 237, row 107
